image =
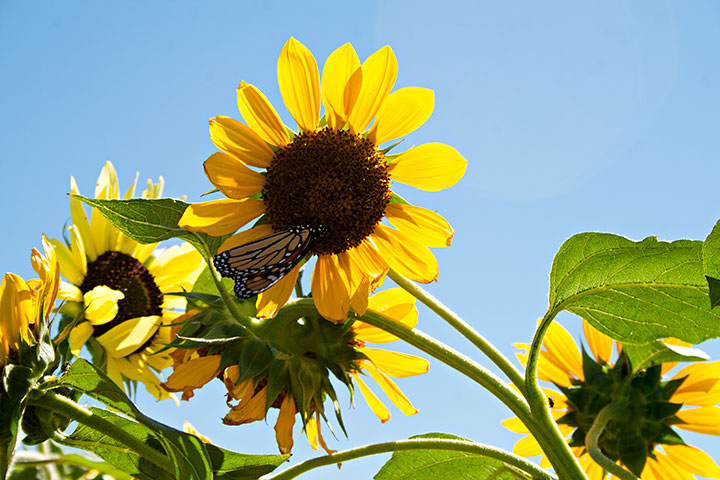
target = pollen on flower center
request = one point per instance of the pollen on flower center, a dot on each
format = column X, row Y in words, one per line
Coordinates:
column 331, row 178
column 126, row 274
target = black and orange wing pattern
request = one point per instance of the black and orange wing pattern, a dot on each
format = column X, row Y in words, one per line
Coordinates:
column 260, row 264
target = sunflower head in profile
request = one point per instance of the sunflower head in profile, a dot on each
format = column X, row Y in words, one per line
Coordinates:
column 26, row 305
column 649, row 406
column 333, row 174
column 290, row 368
column 116, row 290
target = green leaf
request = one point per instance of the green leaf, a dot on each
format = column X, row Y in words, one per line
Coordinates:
column 229, row 465
column 655, row 353
column 186, row 451
column 635, row 292
column 711, row 264
column 205, row 283
column 714, row 287
column 434, row 464
column 152, row 220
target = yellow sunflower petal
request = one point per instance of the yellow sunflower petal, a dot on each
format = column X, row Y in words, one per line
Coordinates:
column 112, row 370
column 378, row 74
column 272, row 300
column 126, row 338
column 246, row 236
column 515, row 425
column 70, row 292
column 330, row 289
column 232, row 177
column 430, row 167
column 220, row 217
column 549, row 371
column 396, row 364
column 700, row 398
column 702, row 420
column 408, row 257
column 104, row 235
column 562, row 350
column 402, row 112
column 79, row 335
column 700, row 377
column 68, row 268
column 357, row 279
column 80, row 220
column 420, row 222
column 372, row 400
column 599, row 343
column 259, row 114
column 693, row 460
column 188, row 428
column 241, row 141
column 284, row 425
column 371, row 262
column 101, row 304
column 194, row 373
column 664, row 468
column 176, row 268
column 339, row 67
column 250, row 409
column 299, row 82
column 395, row 304
column 393, row 392
column 311, row 431
column 527, row 447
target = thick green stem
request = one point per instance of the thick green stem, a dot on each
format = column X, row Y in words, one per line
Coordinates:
column 591, row 443
column 508, row 458
column 454, row 320
column 554, row 444
column 243, row 320
column 67, row 408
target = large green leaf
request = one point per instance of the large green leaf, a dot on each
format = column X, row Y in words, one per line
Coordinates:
column 711, row 264
column 635, row 292
column 434, row 464
column 655, row 353
column 229, row 465
column 152, row 220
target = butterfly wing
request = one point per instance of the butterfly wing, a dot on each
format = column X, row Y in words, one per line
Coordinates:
column 258, row 265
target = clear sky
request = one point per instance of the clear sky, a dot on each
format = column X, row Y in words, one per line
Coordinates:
column 573, row 116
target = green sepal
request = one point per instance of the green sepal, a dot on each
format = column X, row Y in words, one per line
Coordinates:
column 671, row 386
column 591, row 369
column 633, row 453
column 255, row 357
column 668, row 436
column 661, row 410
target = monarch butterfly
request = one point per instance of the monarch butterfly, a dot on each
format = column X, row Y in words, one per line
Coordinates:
column 260, row 264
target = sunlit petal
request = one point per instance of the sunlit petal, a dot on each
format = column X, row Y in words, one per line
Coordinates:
column 240, row 141
column 393, row 392
column 422, row 223
column 339, row 67
column 396, row 364
column 330, row 289
column 299, row 82
column 130, row 335
column 599, row 343
column 378, row 74
column 284, row 425
column 373, row 402
column 693, row 460
column 259, row 114
column 232, row 177
column 271, row 300
column 430, row 167
column 79, row 335
column 702, row 420
column 246, row 236
column 409, row 258
column 220, row 217
column 402, row 112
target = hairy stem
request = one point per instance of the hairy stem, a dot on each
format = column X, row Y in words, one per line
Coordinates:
column 508, row 458
column 67, row 408
column 591, row 443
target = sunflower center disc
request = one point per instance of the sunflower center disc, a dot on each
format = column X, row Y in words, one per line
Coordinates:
column 331, row 178
column 128, row 275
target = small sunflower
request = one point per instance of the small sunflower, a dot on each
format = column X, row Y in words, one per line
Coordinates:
column 120, row 288
column 654, row 407
column 298, row 382
column 333, row 174
column 25, row 304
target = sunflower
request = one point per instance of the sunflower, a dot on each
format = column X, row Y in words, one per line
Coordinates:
column 117, row 287
column 318, row 347
column 333, row 174
column 586, row 385
column 24, row 305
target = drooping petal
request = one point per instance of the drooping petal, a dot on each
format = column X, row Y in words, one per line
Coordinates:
column 395, row 304
column 396, row 364
column 330, row 289
column 402, row 112
column 260, row 115
column 136, row 368
column 232, row 177
column 430, row 167
column 220, row 217
column 339, row 67
column 358, row 281
column 693, row 460
column 250, row 409
column 101, row 304
column 194, row 373
column 284, row 425
column 408, row 257
column 299, row 83
column 599, row 343
column 371, row 399
column 68, row 268
column 68, row 291
column 371, row 262
column 236, row 390
column 272, row 300
column 126, row 338
column 393, row 392
column 527, row 447
column 420, row 222
column 79, row 335
column 241, row 141
column 702, row 420
column 246, row 236
column 378, row 74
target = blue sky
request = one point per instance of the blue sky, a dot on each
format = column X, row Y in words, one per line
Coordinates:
column 573, row 116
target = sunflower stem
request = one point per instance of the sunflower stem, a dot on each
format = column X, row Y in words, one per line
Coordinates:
column 67, row 408
column 593, row 436
column 454, row 320
column 243, row 320
column 464, row 446
column 554, row 445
